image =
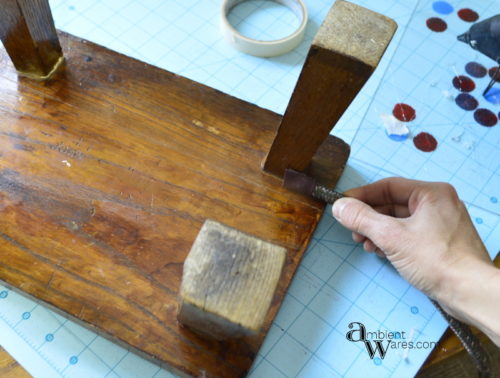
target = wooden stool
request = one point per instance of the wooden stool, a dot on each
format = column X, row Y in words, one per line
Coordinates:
column 110, row 167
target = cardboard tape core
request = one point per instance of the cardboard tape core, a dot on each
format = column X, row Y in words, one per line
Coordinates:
column 264, row 48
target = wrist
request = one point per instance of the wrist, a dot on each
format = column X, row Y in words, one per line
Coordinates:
column 461, row 281
column 471, row 292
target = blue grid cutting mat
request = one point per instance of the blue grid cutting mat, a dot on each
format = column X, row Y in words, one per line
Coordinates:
column 337, row 282
column 421, row 75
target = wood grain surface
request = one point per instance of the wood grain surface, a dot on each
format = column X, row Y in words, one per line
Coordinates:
column 27, row 32
column 107, row 173
column 9, row 368
column 345, row 52
column 228, row 282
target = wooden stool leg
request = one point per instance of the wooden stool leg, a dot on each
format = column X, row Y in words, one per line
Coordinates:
column 28, row 34
column 343, row 55
column 228, row 282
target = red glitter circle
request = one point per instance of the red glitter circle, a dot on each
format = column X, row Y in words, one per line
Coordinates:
column 436, row 24
column 468, row 15
column 485, row 117
column 425, row 142
column 404, row 112
column 492, row 71
column 464, row 83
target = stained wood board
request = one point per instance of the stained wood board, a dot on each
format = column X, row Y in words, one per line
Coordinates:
column 9, row 368
column 107, row 173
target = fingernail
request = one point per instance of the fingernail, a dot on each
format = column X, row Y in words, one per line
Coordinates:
column 337, row 208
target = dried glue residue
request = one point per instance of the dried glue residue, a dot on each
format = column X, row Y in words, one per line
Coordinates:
column 395, row 129
column 464, row 139
column 448, row 95
column 457, row 138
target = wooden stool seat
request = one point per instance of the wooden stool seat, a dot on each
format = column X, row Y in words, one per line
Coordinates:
column 109, row 168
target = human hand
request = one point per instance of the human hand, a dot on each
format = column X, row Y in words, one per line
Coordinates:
column 425, row 231
column 422, row 228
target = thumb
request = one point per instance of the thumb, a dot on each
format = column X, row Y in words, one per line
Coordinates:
column 363, row 219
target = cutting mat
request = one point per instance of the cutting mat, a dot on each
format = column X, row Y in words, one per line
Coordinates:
column 336, row 282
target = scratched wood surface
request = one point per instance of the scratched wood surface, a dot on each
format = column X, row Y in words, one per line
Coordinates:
column 107, row 173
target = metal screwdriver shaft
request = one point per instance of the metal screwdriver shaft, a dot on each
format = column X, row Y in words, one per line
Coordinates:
column 302, row 183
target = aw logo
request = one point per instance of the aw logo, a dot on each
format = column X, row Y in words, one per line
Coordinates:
column 379, row 342
column 373, row 347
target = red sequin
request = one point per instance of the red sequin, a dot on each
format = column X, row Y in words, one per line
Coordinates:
column 425, row 142
column 436, row 24
column 464, row 83
column 485, row 117
column 404, row 112
column 468, row 15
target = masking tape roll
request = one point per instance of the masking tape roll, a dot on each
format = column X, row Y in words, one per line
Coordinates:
column 264, row 48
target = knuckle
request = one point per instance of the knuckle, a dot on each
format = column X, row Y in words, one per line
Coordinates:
column 448, row 190
column 439, row 191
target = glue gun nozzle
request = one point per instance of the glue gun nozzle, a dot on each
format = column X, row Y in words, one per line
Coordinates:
column 464, row 38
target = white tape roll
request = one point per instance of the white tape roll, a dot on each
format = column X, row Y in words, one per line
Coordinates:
column 264, row 48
